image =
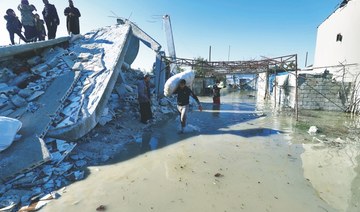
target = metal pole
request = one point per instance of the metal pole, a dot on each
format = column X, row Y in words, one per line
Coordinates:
column 210, row 54
column 296, row 90
column 266, row 84
column 229, row 53
column 275, row 97
column 306, row 59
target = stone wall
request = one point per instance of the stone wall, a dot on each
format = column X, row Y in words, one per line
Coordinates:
column 316, row 92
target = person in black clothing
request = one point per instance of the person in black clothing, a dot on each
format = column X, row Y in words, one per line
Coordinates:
column 40, row 28
column 183, row 99
column 216, row 92
column 14, row 26
column 144, row 97
column 72, row 19
column 51, row 19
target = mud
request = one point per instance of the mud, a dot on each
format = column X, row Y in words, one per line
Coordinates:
column 246, row 157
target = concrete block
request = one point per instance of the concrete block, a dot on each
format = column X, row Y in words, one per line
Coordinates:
column 6, row 75
column 18, row 101
column 40, row 69
column 25, row 93
column 34, row 61
column 53, row 62
column 35, row 95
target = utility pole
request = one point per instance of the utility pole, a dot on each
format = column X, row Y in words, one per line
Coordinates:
column 306, row 59
column 210, row 54
column 229, row 53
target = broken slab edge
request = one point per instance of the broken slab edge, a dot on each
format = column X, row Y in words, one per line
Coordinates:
column 85, row 125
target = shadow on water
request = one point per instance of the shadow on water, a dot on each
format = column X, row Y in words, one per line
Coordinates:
column 214, row 120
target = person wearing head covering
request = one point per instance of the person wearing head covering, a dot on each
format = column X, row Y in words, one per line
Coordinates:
column 51, row 19
column 14, row 26
column 216, row 92
column 72, row 19
column 28, row 20
column 183, row 100
column 144, row 97
column 40, row 28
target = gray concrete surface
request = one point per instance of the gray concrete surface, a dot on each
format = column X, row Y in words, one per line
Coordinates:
column 30, row 151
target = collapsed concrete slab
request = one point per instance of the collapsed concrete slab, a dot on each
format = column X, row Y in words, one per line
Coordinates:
column 107, row 52
column 69, row 91
column 10, row 51
column 30, row 151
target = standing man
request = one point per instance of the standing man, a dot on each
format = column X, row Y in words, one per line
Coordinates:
column 51, row 19
column 183, row 99
column 145, row 99
column 28, row 20
column 72, row 19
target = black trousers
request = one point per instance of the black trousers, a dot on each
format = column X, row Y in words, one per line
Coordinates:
column 12, row 36
column 52, row 28
column 30, row 33
column 145, row 111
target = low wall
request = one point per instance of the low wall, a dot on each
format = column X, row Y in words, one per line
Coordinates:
column 315, row 92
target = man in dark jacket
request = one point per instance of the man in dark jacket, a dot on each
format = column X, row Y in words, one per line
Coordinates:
column 144, row 98
column 72, row 19
column 183, row 100
column 13, row 25
column 51, row 19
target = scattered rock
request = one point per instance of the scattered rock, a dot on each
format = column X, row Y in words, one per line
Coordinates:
column 80, row 163
column 34, row 61
column 35, row 95
column 101, row 208
column 164, row 102
column 218, row 175
column 40, row 69
column 6, row 75
column 18, row 101
column 25, row 93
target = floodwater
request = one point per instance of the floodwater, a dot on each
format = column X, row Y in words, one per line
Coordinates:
column 240, row 156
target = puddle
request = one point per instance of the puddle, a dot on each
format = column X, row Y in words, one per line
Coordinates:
column 243, row 159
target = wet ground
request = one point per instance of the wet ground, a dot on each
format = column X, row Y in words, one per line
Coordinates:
column 240, row 156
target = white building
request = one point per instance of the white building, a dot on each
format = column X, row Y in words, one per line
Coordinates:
column 338, row 42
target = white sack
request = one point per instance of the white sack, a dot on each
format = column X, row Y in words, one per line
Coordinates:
column 173, row 82
column 8, row 129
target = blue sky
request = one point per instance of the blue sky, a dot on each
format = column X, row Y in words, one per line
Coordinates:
column 251, row 28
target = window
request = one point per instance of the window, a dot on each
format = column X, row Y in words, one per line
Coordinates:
column 339, row 37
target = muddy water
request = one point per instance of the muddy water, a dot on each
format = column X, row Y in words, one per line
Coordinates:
column 261, row 162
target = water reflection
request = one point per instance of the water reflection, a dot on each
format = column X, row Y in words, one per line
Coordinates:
column 330, row 159
column 332, row 166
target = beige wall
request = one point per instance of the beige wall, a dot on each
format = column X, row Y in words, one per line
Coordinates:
column 328, row 52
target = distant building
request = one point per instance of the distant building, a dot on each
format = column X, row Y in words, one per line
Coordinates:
column 338, row 42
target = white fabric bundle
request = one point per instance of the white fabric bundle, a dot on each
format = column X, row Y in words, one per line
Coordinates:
column 8, row 129
column 173, row 82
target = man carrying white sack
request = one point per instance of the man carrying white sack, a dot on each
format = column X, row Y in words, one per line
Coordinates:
column 183, row 99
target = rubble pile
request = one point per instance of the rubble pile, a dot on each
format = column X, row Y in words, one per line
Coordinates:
column 23, row 81
column 69, row 160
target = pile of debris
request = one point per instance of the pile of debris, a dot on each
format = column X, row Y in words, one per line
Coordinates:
column 119, row 125
column 24, row 81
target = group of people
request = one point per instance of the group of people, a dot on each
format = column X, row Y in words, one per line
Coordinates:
column 34, row 29
column 183, row 100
